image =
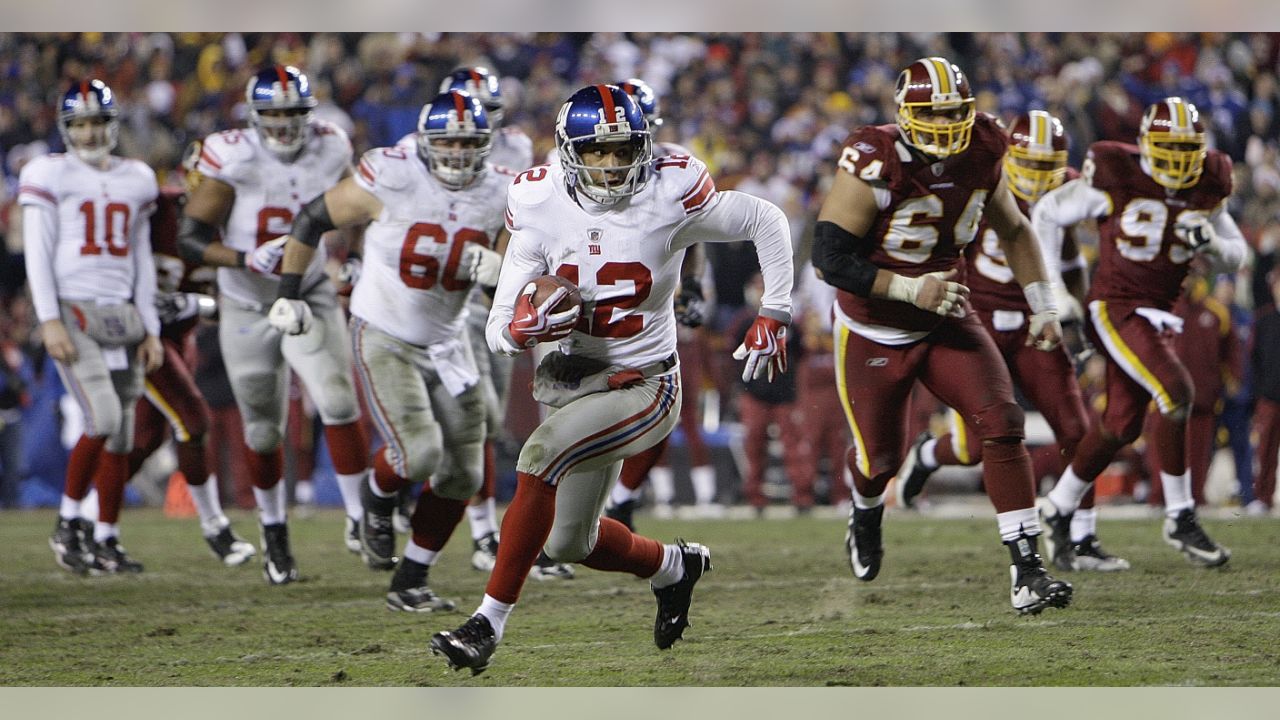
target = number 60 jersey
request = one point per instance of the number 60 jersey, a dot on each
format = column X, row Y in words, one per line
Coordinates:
column 408, row 287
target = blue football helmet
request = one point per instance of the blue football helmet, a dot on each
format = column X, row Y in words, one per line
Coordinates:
column 479, row 83
column 646, row 98
column 280, row 102
column 454, row 138
column 603, row 114
column 90, row 99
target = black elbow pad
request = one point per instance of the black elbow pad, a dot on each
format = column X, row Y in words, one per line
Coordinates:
column 193, row 237
column 836, row 254
column 312, row 222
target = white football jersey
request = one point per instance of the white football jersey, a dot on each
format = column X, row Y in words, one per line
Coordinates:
column 102, row 238
column 408, row 287
column 269, row 193
column 626, row 259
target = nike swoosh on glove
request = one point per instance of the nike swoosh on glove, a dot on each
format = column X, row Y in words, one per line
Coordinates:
column 531, row 325
column 265, row 259
column 764, row 348
column 291, row 317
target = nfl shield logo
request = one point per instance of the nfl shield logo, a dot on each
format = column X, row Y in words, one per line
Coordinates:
column 593, row 241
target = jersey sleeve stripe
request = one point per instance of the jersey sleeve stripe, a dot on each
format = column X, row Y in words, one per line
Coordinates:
column 366, row 171
column 702, row 194
column 37, row 192
column 207, row 157
column 510, row 220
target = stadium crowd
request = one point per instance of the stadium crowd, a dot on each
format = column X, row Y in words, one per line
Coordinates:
column 768, row 113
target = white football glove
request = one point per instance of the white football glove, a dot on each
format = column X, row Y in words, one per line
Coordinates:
column 291, row 317
column 934, row 292
column 265, row 259
column 1197, row 234
column 480, row 265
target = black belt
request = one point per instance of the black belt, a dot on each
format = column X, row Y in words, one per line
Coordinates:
column 661, row 366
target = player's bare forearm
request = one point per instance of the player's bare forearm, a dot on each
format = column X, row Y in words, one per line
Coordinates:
column 297, row 256
column 1023, row 253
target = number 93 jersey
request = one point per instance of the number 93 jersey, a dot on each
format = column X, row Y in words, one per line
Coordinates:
column 625, row 259
column 409, row 286
column 1140, row 258
column 269, row 193
column 929, row 212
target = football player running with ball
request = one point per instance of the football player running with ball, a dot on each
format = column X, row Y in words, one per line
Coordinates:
column 435, row 212
column 1158, row 205
column 616, row 222
column 906, row 200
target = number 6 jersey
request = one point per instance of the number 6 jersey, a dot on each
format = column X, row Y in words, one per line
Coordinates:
column 269, row 193
column 408, row 287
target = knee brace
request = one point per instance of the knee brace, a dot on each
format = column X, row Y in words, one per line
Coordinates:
column 262, row 436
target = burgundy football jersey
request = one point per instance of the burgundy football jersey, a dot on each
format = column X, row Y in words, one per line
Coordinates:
column 933, row 211
column 989, row 277
column 1140, row 259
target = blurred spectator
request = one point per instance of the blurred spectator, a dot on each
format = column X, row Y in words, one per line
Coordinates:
column 1265, row 359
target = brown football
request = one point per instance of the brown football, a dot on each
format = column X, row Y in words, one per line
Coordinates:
column 547, row 284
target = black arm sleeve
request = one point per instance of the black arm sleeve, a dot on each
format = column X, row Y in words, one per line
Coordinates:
column 312, row 222
column 193, row 237
column 835, row 253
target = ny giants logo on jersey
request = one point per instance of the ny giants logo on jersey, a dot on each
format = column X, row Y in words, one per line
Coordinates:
column 593, row 241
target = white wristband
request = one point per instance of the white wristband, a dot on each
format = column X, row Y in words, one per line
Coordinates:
column 904, row 289
column 1040, row 297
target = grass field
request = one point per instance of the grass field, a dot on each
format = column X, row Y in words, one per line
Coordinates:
column 780, row 609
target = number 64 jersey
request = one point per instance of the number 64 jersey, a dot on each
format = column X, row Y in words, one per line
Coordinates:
column 408, row 287
column 626, row 258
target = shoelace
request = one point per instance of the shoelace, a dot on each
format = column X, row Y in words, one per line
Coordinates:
column 473, row 630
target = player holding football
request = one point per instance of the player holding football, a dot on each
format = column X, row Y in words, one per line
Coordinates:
column 435, row 213
column 1158, row 205
column 615, row 222
column 93, row 285
column 1035, row 164
column 254, row 184
column 906, row 200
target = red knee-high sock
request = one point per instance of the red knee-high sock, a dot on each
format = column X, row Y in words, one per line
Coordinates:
column 525, row 528
column 109, row 477
column 620, row 550
column 635, row 469
column 265, row 469
column 434, row 519
column 386, row 478
column 490, row 472
column 81, row 465
column 1090, row 497
column 191, row 461
column 1171, row 445
column 348, row 447
column 1006, row 475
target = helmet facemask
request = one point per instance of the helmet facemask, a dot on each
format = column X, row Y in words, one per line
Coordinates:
column 283, row 130
column 919, row 125
column 90, row 137
column 1173, row 161
column 454, row 159
column 1033, row 173
column 1172, row 145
